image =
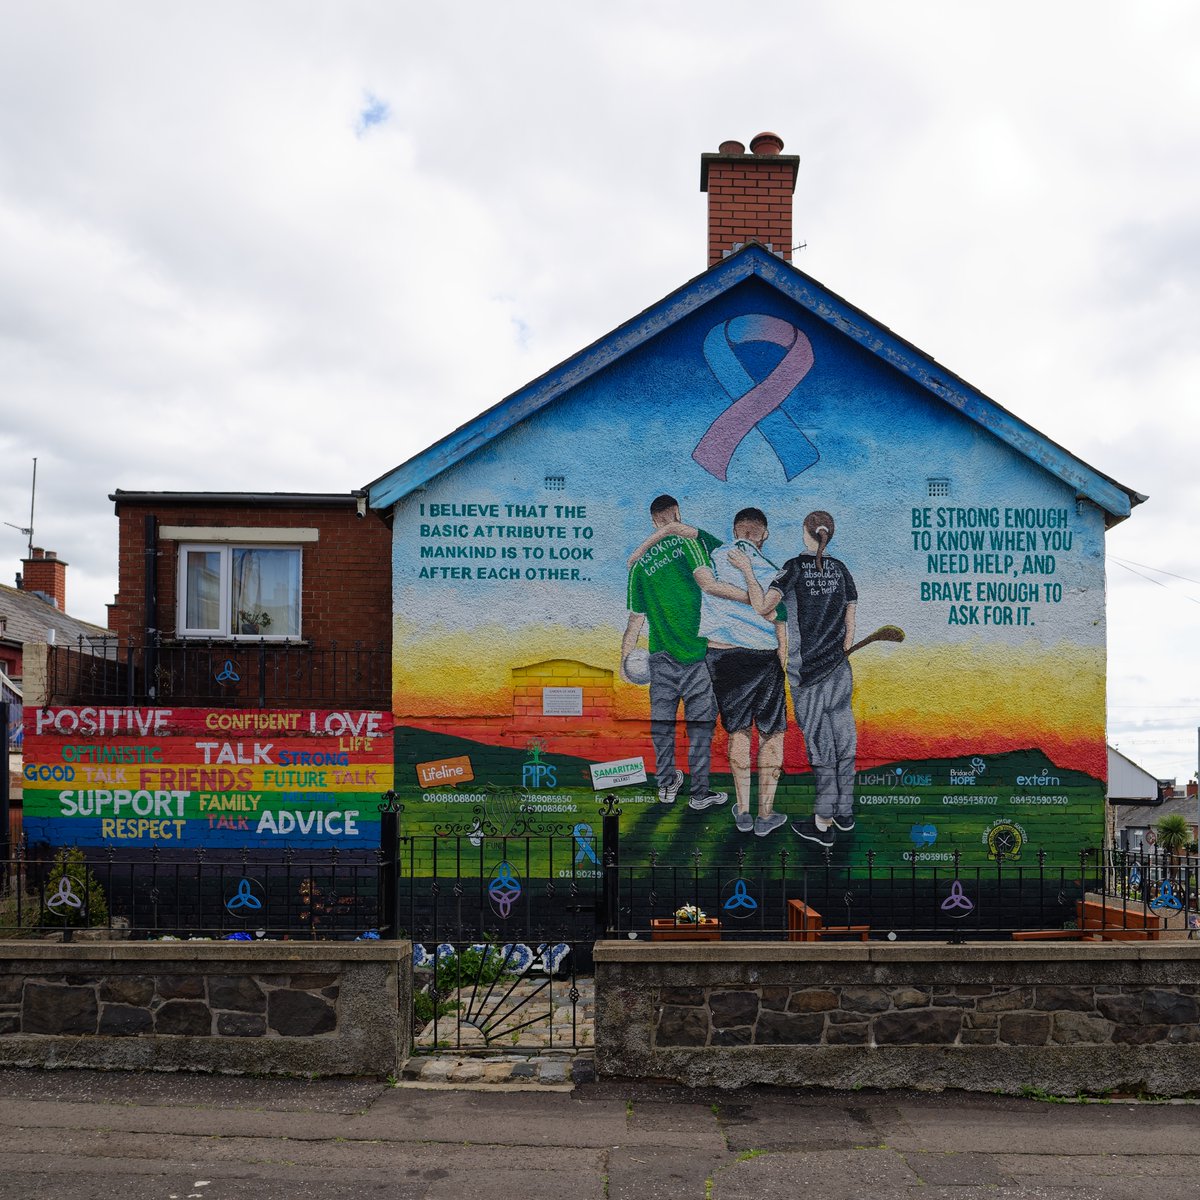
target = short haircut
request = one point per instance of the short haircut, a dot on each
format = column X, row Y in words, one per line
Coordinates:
column 662, row 503
column 751, row 516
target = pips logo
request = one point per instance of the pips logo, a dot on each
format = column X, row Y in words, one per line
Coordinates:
column 535, row 773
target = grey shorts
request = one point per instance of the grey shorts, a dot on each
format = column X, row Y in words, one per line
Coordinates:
column 748, row 685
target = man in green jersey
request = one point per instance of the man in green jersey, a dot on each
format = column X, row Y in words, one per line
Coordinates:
column 664, row 594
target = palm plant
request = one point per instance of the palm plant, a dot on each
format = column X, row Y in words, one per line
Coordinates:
column 1174, row 834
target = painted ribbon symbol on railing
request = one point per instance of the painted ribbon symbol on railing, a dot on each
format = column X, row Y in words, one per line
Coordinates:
column 243, row 897
column 504, row 888
column 1135, row 876
column 740, row 898
column 64, row 895
column 228, row 673
column 958, row 899
column 1166, row 898
column 756, row 404
column 583, row 840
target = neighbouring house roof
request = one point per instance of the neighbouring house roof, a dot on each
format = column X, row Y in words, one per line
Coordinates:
column 753, row 261
column 27, row 617
column 1128, row 783
column 258, row 498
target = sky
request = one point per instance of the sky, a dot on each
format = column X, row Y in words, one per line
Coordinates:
column 287, row 245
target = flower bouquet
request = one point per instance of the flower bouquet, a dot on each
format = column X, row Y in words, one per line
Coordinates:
column 687, row 924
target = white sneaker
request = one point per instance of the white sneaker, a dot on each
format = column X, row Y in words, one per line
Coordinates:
column 668, row 792
column 708, row 800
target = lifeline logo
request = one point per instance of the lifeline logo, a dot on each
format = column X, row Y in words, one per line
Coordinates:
column 445, row 771
column 617, row 773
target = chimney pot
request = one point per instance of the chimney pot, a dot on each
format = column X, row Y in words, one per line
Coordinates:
column 38, row 552
column 766, row 143
column 731, row 148
column 51, row 553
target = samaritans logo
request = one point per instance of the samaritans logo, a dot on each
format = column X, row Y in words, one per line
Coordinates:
column 535, row 773
column 1004, row 840
column 617, row 773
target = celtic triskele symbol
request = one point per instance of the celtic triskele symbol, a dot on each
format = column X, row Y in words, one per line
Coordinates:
column 504, row 888
column 228, row 673
column 756, row 403
column 64, row 895
column 243, row 897
column 1166, row 898
column 958, row 899
column 741, row 898
column 583, row 840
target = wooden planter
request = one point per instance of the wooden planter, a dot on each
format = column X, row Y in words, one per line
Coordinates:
column 667, row 929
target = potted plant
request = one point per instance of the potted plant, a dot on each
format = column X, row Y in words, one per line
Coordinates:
column 254, row 620
column 689, row 924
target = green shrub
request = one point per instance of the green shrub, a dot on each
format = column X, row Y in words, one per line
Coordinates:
column 84, row 886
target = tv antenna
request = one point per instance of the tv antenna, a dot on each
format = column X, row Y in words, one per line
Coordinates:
column 28, row 529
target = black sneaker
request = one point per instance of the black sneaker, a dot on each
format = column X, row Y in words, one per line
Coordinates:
column 845, row 824
column 808, row 830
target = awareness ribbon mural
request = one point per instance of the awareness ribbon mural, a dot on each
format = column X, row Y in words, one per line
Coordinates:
column 756, row 404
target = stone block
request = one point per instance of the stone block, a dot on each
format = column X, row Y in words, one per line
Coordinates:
column 1140, row 1035
column 10, row 1022
column 978, row 1020
column 847, row 1035
column 1005, row 1000
column 237, row 992
column 1070, row 1028
column 918, row 1026
column 10, row 988
column 1164, row 1006
column 812, row 1000
column 179, row 987
column 910, row 997
column 865, row 999
column 299, row 1014
column 682, row 1027
column 58, row 1008
column 1070, row 999
column 788, row 1029
column 237, row 1024
column 775, row 998
column 1024, row 1029
column 125, row 1020
column 978, row 1037
column 739, row 1036
column 184, row 1018
column 733, row 1008
column 1123, row 1009
column 137, row 990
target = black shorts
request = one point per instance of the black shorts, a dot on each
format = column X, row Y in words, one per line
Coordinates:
column 749, row 688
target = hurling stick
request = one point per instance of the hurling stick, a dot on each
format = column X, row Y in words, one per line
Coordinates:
column 885, row 633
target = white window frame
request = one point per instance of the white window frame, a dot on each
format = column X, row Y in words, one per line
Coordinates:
column 225, row 549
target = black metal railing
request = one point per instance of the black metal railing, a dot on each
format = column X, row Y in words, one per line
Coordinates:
column 243, row 674
column 154, row 895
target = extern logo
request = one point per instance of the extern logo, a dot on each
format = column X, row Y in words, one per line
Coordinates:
column 1004, row 839
column 535, row 773
column 444, row 771
column 617, row 773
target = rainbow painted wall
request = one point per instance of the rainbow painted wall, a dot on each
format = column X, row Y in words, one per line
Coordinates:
column 189, row 777
column 981, row 731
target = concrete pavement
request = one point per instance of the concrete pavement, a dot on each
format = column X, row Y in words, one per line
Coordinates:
column 74, row 1135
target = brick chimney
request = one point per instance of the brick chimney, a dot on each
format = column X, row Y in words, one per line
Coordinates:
column 749, row 196
column 45, row 572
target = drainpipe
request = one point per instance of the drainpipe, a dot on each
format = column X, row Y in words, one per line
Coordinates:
column 150, row 655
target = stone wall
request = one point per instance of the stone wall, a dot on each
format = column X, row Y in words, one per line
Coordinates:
column 1003, row 1016
column 326, row 1008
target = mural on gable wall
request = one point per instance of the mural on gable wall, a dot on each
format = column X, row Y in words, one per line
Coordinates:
column 770, row 592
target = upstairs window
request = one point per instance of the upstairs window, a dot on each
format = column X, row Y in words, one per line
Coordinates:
column 239, row 591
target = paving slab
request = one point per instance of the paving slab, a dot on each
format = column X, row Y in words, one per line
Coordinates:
column 830, row 1174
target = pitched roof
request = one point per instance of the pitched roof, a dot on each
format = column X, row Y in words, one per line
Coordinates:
column 27, row 617
column 753, row 261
